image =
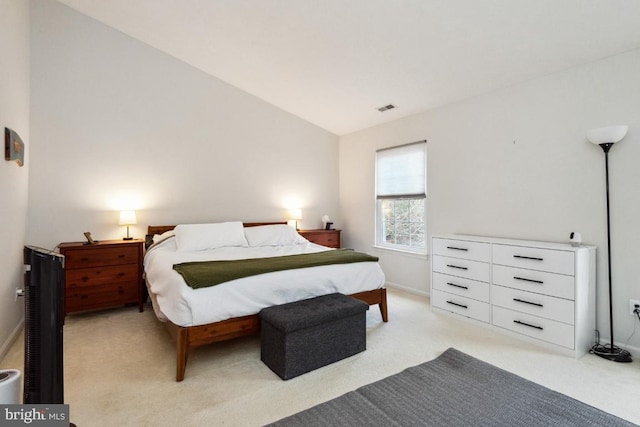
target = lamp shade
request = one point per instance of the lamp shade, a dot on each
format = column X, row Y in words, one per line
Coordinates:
column 128, row 218
column 295, row 214
column 607, row 135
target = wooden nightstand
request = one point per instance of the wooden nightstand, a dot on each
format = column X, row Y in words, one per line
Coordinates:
column 330, row 238
column 106, row 274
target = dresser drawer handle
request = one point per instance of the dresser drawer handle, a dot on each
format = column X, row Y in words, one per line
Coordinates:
column 528, row 257
column 528, row 302
column 456, row 266
column 457, row 249
column 457, row 286
column 456, row 304
column 527, row 324
column 528, row 280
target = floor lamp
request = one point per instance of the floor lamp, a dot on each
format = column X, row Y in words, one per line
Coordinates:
column 605, row 137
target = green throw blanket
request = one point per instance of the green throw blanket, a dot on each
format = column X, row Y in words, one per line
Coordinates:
column 201, row 274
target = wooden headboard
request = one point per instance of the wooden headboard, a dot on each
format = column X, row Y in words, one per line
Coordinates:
column 159, row 229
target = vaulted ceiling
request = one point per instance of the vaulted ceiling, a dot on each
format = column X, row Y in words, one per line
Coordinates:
column 335, row 62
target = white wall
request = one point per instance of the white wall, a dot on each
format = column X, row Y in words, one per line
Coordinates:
column 115, row 122
column 515, row 163
column 14, row 114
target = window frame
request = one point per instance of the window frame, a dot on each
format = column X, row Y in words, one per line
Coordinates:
column 379, row 213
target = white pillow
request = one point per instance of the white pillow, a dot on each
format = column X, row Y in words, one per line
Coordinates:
column 160, row 237
column 273, row 235
column 198, row 237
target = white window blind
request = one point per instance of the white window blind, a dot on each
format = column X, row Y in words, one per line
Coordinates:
column 401, row 171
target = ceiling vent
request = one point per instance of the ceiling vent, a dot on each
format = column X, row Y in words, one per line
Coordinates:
column 386, row 107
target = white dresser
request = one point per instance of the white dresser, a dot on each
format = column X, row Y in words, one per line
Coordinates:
column 536, row 290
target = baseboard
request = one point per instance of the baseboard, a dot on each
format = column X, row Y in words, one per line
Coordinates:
column 635, row 351
column 407, row 289
column 11, row 339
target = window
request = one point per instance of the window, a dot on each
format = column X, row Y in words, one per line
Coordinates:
column 400, row 196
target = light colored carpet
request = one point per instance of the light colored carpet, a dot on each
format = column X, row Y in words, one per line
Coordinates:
column 120, row 369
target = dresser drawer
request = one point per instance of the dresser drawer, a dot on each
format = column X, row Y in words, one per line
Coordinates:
column 553, row 261
column 101, row 275
column 536, row 327
column 557, row 309
column 462, row 268
column 101, row 256
column 460, row 305
column 91, row 297
column 476, row 251
column 541, row 282
column 461, row 286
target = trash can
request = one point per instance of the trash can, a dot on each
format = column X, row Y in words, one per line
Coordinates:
column 10, row 386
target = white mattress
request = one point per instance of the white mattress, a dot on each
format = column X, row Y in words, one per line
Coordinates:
column 174, row 300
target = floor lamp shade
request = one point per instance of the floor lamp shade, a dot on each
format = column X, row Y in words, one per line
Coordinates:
column 605, row 137
column 609, row 134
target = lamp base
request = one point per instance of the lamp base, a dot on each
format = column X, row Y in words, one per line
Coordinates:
column 614, row 354
column 127, row 238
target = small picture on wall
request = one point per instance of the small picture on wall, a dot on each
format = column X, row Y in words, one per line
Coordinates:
column 13, row 147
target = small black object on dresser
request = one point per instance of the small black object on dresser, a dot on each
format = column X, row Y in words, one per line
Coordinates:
column 301, row 336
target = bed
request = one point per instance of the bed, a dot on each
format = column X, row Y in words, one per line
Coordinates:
column 197, row 316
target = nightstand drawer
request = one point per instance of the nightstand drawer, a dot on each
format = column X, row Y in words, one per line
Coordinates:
column 101, row 256
column 91, row 297
column 101, row 275
column 329, row 238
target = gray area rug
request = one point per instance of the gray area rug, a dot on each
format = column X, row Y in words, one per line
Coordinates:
column 454, row 389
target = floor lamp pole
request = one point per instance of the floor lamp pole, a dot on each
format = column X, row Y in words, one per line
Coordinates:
column 612, row 353
column 606, row 169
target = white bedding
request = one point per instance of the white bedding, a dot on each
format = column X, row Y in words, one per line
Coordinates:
column 174, row 300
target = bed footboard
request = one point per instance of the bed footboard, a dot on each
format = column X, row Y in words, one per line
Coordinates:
column 195, row 336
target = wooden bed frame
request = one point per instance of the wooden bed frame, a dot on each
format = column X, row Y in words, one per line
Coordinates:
column 194, row 336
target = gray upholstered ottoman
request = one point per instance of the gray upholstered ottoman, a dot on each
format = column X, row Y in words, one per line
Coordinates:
column 305, row 335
